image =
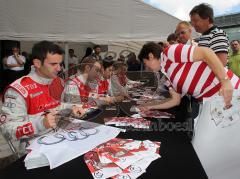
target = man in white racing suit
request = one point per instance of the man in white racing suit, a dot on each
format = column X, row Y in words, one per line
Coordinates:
column 31, row 103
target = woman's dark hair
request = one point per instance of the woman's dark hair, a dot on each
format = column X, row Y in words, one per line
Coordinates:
column 204, row 11
column 41, row 49
column 148, row 48
column 132, row 59
column 107, row 63
column 88, row 52
column 172, row 37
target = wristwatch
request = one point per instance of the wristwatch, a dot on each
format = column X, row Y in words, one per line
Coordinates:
column 225, row 78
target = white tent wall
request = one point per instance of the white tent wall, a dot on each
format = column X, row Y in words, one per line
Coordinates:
column 118, row 47
column 27, row 46
column 83, row 20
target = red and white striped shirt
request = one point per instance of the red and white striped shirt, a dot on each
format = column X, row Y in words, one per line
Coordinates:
column 188, row 77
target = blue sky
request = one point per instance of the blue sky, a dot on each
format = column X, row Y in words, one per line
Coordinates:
column 181, row 9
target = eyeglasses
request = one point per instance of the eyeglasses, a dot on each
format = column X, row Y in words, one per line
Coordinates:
column 181, row 32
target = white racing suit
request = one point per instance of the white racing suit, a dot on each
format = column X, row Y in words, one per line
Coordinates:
column 24, row 104
column 116, row 88
column 79, row 91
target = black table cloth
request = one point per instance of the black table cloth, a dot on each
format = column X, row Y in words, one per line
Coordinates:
column 178, row 158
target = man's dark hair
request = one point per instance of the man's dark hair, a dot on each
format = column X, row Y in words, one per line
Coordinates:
column 204, row 11
column 161, row 44
column 107, row 63
column 235, row 41
column 41, row 49
column 118, row 65
column 172, row 37
column 71, row 50
column 148, row 48
column 15, row 46
column 96, row 46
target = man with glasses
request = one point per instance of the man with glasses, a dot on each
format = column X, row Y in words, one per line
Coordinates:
column 184, row 33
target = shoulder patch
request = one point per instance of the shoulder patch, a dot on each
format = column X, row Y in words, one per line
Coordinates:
column 17, row 86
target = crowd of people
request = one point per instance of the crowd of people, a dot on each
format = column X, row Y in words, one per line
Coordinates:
column 212, row 38
column 31, row 103
column 193, row 67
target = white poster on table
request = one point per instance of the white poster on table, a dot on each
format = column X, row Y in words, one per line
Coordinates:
column 77, row 138
column 217, row 138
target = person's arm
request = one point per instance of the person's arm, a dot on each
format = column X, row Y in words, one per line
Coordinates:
column 117, row 98
column 9, row 63
column 111, row 99
column 19, row 124
column 175, row 100
column 180, row 53
column 70, row 95
column 13, row 65
column 20, row 59
column 208, row 56
column 5, row 61
column 223, row 58
column 116, row 89
column 71, row 99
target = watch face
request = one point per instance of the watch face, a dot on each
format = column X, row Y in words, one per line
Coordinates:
column 3, row 119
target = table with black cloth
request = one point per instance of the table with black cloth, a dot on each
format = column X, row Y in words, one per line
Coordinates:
column 178, row 158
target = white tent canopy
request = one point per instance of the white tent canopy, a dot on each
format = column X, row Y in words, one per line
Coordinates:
column 83, row 20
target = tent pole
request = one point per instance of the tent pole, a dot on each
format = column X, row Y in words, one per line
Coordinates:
column 66, row 47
